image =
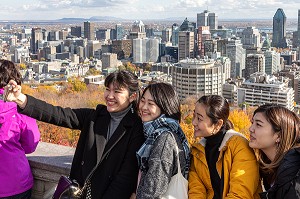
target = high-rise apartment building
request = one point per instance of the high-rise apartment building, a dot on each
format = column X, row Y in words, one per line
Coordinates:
column 193, row 77
column 76, row 31
column 89, row 30
column 185, row 45
column 254, row 63
column 207, row 18
column 36, row 39
column 279, row 29
column 264, row 89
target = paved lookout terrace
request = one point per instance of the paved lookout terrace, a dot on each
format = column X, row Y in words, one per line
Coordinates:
column 48, row 163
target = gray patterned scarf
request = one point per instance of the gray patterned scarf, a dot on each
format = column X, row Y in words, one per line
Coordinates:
column 152, row 130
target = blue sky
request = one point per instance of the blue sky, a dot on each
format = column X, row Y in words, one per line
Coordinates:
column 144, row 9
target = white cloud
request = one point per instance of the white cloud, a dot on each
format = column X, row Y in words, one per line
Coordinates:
column 147, row 9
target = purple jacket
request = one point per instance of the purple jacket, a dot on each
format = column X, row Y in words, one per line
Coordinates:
column 19, row 135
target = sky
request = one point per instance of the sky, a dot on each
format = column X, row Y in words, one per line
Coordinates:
column 144, row 9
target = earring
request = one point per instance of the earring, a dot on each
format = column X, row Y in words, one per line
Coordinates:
column 132, row 111
column 277, row 143
column 213, row 132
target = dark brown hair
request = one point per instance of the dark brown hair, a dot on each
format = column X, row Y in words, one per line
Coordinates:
column 217, row 108
column 285, row 124
column 8, row 71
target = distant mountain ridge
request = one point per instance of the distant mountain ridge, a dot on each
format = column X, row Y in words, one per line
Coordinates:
column 94, row 18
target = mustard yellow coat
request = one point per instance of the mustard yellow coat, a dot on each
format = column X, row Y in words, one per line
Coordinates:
column 241, row 171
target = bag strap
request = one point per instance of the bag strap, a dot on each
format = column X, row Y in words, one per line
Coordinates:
column 177, row 152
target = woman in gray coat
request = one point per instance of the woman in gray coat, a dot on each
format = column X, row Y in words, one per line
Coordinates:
column 159, row 109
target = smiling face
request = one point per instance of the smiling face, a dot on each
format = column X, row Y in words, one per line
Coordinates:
column 262, row 135
column 117, row 98
column 203, row 126
column 147, row 108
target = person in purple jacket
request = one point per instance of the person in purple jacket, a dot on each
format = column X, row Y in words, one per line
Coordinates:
column 19, row 135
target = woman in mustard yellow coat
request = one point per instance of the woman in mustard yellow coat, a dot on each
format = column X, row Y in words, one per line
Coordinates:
column 223, row 165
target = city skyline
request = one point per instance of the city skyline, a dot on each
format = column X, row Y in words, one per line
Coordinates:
column 136, row 9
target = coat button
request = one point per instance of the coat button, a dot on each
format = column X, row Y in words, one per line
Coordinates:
column 197, row 155
column 82, row 162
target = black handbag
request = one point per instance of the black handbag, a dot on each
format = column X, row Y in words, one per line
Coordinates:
column 67, row 189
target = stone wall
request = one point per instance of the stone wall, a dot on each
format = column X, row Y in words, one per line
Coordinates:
column 48, row 163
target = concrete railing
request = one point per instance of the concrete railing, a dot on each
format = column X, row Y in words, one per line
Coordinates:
column 48, row 163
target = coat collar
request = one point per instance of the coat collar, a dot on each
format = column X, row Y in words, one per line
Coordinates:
column 103, row 146
column 229, row 134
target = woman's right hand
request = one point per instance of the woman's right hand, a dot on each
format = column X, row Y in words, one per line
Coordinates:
column 12, row 93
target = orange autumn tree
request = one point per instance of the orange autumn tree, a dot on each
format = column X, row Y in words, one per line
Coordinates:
column 187, row 108
column 241, row 121
column 67, row 96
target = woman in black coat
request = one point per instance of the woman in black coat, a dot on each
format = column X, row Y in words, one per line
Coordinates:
column 110, row 135
column 275, row 133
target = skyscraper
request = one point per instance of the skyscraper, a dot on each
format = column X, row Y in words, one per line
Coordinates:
column 36, row 38
column 76, row 31
column 166, row 35
column 185, row 45
column 254, row 63
column 237, row 55
column 279, row 29
column 298, row 23
column 89, row 30
column 119, row 32
column 207, row 18
column 145, row 50
column 250, row 37
column 203, row 35
column 298, row 30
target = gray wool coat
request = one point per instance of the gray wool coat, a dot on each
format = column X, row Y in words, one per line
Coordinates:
column 162, row 166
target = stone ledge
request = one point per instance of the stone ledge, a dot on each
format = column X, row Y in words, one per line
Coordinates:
column 48, row 163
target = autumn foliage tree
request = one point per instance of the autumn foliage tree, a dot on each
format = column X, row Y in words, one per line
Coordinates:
column 241, row 121
column 65, row 95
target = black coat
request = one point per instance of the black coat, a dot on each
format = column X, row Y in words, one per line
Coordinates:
column 116, row 176
column 287, row 180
